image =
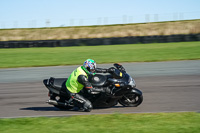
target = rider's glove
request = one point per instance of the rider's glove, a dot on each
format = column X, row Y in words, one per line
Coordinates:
column 111, row 70
column 120, row 67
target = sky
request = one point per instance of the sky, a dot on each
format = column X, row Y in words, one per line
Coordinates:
column 56, row 13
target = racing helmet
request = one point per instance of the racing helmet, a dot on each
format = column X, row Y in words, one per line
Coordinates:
column 89, row 66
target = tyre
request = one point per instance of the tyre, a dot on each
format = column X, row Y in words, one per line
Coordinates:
column 131, row 100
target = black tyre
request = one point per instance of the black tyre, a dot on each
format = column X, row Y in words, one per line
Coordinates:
column 131, row 100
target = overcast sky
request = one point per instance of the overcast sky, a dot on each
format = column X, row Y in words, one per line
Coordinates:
column 54, row 13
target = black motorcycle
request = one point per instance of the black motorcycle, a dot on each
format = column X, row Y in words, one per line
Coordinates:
column 121, row 85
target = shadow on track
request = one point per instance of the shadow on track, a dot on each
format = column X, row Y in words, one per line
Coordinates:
column 41, row 109
column 56, row 109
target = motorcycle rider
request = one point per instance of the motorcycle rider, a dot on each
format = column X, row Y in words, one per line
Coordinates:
column 79, row 80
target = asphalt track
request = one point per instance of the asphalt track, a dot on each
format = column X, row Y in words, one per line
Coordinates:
column 167, row 87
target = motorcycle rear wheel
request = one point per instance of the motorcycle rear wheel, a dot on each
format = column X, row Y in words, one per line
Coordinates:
column 131, row 100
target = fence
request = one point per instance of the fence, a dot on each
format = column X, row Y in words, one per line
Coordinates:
column 100, row 41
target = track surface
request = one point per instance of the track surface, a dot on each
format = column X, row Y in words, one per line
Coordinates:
column 167, row 87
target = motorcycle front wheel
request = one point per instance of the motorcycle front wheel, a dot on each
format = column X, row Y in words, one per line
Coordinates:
column 131, row 100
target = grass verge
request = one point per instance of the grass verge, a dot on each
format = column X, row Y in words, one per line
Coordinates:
column 32, row 57
column 187, row 122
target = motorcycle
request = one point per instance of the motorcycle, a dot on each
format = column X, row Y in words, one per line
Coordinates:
column 122, row 90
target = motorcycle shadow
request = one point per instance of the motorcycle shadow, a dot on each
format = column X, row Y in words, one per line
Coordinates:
column 74, row 109
column 114, row 107
column 41, row 109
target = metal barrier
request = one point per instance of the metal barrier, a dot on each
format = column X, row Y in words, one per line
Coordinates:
column 100, row 41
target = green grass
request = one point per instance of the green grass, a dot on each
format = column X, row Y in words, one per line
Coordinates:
column 31, row 57
column 188, row 122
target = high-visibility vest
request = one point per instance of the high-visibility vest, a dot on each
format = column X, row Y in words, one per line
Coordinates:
column 72, row 83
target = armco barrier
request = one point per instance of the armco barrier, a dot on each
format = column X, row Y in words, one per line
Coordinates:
column 100, row 41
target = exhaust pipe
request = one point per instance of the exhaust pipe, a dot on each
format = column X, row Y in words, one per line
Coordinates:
column 54, row 102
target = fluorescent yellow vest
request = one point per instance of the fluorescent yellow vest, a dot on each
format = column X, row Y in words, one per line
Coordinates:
column 72, row 83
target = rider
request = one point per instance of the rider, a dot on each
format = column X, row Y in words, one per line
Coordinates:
column 79, row 79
